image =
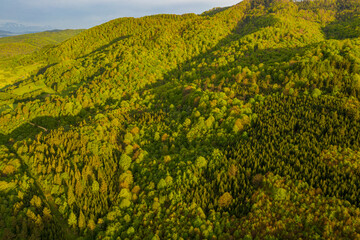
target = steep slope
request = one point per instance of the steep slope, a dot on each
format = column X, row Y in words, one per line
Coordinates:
column 238, row 123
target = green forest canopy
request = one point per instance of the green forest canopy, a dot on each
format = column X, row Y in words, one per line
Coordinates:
column 240, row 123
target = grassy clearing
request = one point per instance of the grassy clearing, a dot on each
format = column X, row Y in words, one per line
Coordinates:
column 9, row 77
column 31, row 87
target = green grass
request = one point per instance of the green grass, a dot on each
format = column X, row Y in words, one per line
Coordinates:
column 9, row 76
column 32, row 87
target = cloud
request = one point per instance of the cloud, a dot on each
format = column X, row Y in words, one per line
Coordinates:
column 70, row 3
column 88, row 13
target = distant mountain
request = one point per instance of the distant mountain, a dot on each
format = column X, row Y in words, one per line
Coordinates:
column 20, row 28
column 5, row 33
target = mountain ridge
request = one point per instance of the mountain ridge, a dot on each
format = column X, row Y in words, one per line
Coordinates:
column 17, row 28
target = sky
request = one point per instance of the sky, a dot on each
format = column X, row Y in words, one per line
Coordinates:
column 75, row 14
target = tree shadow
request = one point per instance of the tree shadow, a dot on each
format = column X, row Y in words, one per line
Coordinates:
column 16, row 84
column 269, row 57
column 107, row 45
column 254, row 24
column 214, row 11
column 31, row 128
column 43, row 69
column 343, row 29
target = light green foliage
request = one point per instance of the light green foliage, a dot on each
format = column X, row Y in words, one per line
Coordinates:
column 82, row 221
column 125, row 193
column 157, row 136
column 316, row 93
column 162, row 184
column 356, row 81
column 95, row 187
column 168, row 180
column 128, row 138
column 129, row 150
column 126, row 179
column 72, row 219
column 127, row 218
column 125, row 162
column 280, row 194
column 130, row 231
column 71, row 196
column 125, row 203
column 200, row 162
column 187, row 122
column 155, row 237
column 210, row 121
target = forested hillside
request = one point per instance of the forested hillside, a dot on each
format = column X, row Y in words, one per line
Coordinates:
column 13, row 49
column 239, row 123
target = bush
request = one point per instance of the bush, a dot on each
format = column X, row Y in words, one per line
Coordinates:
column 125, row 162
column 200, row 162
column 280, row 194
column 316, row 93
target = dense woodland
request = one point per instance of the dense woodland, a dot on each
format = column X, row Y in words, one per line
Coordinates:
column 239, row 123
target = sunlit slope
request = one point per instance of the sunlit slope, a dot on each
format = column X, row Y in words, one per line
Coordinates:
column 148, row 28
column 153, row 45
column 16, row 62
column 142, row 50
